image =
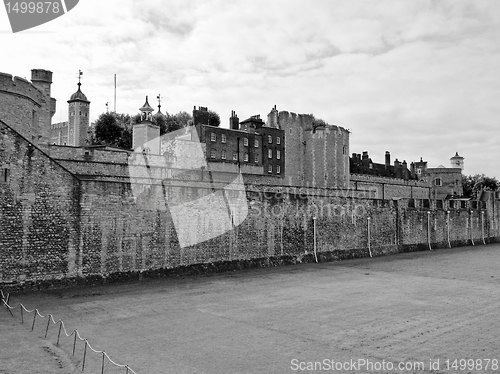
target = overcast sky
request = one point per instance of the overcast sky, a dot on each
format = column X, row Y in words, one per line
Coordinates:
column 416, row 78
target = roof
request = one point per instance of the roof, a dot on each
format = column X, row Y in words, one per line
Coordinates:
column 146, row 107
column 78, row 95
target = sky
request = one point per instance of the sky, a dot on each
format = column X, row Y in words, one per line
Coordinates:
column 418, row 78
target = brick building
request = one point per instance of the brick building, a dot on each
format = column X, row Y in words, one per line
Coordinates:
column 363, row 164
column 252, row 145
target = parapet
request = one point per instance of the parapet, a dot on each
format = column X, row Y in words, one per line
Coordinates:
column 20, row 87
column 41, row 75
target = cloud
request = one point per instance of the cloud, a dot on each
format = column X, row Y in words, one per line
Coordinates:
column 418, row 78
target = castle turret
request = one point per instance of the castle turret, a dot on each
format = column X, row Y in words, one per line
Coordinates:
column 78, row 117
column 272, row 118
column 42, row 79
column 146, row 135
column 457, row 161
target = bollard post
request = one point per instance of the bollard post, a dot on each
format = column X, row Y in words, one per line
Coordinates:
column 471, row 228
column 84, row 355
column 59, row 333
column 74, row 342
column 448, row 227
column 482, row 226
column 102, row 370
column 369, row 247
column 22, row 315
column 34, row 317
column 314, row 238
column 429, row 230
column 47, row 328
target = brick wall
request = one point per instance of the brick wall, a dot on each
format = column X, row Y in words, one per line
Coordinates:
column 55, row 226
column 20, row 106
column 39, row 213
column 388, row 188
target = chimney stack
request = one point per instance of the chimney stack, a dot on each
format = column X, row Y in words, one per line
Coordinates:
column 234, row 121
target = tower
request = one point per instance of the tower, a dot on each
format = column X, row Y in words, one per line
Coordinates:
column 78, row 117
column 42, row 79
column 146, row 135
column 457, row 161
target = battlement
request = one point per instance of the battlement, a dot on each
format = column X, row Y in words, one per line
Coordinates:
column 41, row 75
column 21, row 87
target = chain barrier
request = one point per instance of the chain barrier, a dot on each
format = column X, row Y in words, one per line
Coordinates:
column 62, row 328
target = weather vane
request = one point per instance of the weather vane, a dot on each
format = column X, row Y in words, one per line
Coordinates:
column 80, row 73
column 159, row 101
column 107, row 107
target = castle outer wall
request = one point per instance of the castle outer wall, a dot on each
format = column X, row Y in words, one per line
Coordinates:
column 62, row 229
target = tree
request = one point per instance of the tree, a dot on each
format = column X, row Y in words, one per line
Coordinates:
column 213, row 118
column 474, row 184
column 107, row 130
column 113, row 129
column 177, row 121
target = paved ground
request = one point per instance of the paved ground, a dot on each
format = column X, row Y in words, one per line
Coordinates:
column 410, row 308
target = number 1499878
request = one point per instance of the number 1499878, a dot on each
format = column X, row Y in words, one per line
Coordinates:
column 485, row 364
column 33, row 7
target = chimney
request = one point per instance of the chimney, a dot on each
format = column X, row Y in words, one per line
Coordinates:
column 387, row 159
column 234, row 121
column 412, row 170
column 365, row 155
column 405, row 170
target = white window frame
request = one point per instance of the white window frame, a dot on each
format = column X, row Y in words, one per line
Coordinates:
column 213, row 137
column 245, row 142
column 269, row 153
column 213, row 153
column 223, row 138
column 256, row 143
column 278, row 154
column 270, row 168
column 278, row 140
column 278, row 169
column 270, row 139
column 245, row 157
column 223, row 154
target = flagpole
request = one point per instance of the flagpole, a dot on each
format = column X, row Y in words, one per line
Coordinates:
column 115, row 93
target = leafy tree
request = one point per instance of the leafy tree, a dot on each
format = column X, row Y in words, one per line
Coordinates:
column 177, row 121
column 116, row 129
column 113, row 129
column 213, row 118
column 474, row 184
column 107, row 130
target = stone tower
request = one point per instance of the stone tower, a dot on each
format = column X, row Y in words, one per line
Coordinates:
column 78, row 118
column 146, row 135
column 457, row 161
column 42, row 79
